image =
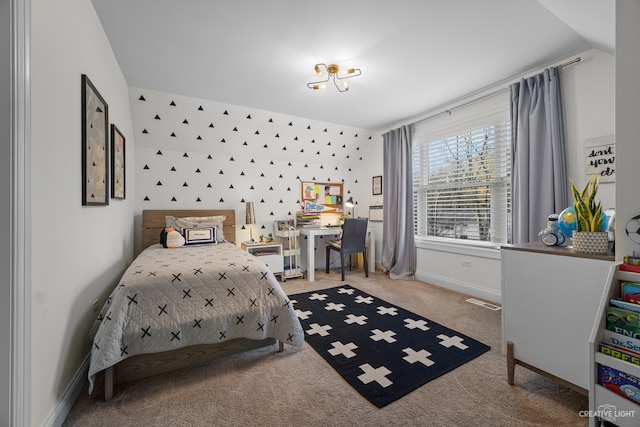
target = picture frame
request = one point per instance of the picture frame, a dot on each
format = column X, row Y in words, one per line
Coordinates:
column 377, row 185
column 118, row 178
column 95, row 146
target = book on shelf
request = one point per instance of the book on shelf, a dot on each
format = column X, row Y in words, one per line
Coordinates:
column 630, row 292
column 619, row 353
column 632, row 306
column 631, row 260
column 619, row 382
column 623, row 341
column 626, row 322
column 629, row 267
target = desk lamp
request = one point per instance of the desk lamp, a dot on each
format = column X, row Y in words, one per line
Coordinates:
column 350, row 204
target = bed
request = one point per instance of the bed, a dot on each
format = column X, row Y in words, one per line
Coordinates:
column 174, row 307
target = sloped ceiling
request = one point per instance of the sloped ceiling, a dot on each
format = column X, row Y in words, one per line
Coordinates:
column 414, row 54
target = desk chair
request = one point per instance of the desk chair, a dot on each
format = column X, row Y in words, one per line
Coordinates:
column 353, row 241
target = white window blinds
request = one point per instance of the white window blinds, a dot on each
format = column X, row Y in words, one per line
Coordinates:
column 462, row 174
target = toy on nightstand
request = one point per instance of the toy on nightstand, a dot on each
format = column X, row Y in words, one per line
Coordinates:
column 552, row 236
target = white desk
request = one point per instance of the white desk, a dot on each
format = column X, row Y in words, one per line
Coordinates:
column 311, row 234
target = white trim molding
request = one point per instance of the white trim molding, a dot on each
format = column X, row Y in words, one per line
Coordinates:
column 20, row 205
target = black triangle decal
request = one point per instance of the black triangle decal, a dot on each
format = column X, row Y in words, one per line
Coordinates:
column 173, row 104
column 198, row 170
column 157, row 117
column 159, row 183
column 185, row 155
column 231, row 186
column 223, row 140
column 309, row 127
column 295, row 139
column 159, row 153
column 270, row 188
column 185, row 185
column 280, row 201
column 198, row 199
column 209, row 157
column 146, row 167
column 185, row 121
column 141, row 98
column 290, row 123
column 280, row 176
column 241, row 173
column 173, row 199
column 173, row 169
column 245, row 143
column 251, row 188
column 199, row 138
column 226, row 113
column 270, row 120
column 257, row 132
column 249, row 116
column 262, row 175
column 325, row 129
column 284, row 148
column 220, row 173
column 235, row 129
column 271, row 162
column 252, row 161
column 173, row 134
column 221, row 200
column 209, row 185
column 341, row 133
column 231, row 160
column 144, row 131
column 146, row 198
column 200, row 108
column 211, row 125
column 277, row 135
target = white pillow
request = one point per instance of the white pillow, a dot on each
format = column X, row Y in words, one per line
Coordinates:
column 199, row 236
column 198, row 222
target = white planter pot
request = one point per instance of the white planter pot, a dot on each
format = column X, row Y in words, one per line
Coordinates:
column 591, row 242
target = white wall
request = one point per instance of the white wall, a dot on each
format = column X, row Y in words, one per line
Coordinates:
column 78, row 253
column 194, row 153
column 588, row 89
column 627, row 120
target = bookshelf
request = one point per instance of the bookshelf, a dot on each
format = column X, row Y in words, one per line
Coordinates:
column 599, row 396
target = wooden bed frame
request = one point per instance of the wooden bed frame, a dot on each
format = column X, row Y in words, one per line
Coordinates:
column 146, row 365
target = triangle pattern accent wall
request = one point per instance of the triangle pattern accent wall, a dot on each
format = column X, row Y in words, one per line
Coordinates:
column 192, row 153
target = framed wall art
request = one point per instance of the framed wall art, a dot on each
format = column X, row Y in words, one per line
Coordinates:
column 95, row 147
column 377, row 185
column 118, row 187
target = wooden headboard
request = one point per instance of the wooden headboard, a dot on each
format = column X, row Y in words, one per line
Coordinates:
column 153, row 222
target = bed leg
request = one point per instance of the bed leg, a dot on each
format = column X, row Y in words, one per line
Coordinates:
column 280, row 346
column 108, row 384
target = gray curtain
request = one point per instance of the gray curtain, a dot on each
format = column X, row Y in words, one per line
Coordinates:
column 398, row 242
column 539, row 184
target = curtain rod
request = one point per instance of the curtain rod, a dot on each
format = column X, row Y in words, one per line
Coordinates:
column 488, row 95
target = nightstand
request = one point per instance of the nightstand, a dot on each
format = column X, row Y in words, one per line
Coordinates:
column 269, row 253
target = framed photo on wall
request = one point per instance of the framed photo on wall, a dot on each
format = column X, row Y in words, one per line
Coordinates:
column 95, row 146
column 377, row 185
column 118, row 187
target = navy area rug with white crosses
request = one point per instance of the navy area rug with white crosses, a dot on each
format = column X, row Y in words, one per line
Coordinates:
column 381, row 350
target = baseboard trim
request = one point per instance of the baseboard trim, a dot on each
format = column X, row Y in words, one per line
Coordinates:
column 465, row 288
column 59, row 414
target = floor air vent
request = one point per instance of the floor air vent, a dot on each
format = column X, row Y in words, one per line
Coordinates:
column 484, row 304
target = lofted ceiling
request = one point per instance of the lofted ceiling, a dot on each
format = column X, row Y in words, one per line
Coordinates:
column 414, row 54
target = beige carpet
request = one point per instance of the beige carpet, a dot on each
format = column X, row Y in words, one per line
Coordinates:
column 298, row 388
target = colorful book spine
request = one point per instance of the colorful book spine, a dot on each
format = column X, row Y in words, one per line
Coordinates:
column 627, row 386
column 624, row 305
column 625, row 322
column 622, row 341
column 619, row 353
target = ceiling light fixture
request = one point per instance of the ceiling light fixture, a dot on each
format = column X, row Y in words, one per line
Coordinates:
column 333, row 72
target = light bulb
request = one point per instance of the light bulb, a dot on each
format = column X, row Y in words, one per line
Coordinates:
column 345, row 85
column 319, row 86
column 318, row 70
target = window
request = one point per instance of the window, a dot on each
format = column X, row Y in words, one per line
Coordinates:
column 462, row 175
